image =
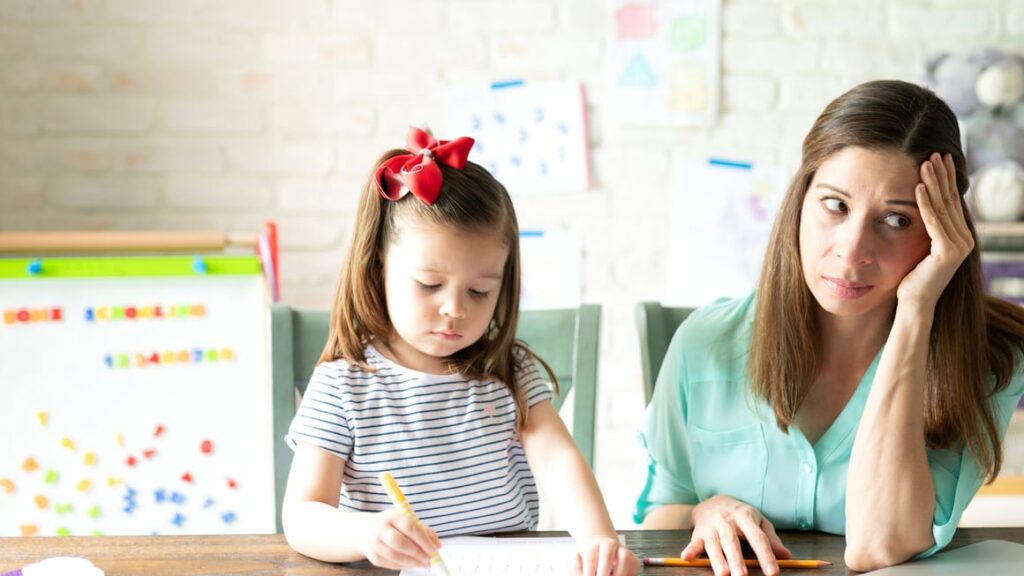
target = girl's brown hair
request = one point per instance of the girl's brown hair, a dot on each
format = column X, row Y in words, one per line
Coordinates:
column 974, row 336
column 470, row 200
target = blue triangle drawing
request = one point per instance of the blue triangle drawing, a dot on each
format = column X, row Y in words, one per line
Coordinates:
column 638, row 74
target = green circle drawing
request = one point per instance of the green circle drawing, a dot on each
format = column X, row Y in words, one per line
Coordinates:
column 688, row 33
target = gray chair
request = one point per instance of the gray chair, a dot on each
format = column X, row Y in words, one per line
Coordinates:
column 656, row 324
column 297, row 338
column 566, row 339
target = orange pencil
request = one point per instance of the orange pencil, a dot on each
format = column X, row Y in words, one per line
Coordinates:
column 706, row 563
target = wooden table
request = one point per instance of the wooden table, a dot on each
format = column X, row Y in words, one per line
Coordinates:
column 266, row 555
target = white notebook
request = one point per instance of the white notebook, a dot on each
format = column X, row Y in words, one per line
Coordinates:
column 480, row 556
column 989, row 557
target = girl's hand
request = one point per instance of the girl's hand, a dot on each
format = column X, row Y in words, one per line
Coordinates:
column 939, row 202
column 393, row 540
column 605, row 556
column 718, row 525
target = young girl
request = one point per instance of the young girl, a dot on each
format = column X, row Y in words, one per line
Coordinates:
column 422, row 377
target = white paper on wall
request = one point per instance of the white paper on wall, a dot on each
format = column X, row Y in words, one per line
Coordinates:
column 720, row 222
column 550, row 261
column 662, row 62
column 531, row 136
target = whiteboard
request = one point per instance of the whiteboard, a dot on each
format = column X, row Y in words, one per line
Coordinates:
column 135, row 404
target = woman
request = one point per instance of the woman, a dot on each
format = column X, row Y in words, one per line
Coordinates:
column 866, row 386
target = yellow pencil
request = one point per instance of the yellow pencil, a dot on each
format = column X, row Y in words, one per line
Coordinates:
column 706, row 563
column 398, row 498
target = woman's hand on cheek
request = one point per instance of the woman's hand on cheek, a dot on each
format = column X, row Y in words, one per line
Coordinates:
column 939, row 202
column 719, row 523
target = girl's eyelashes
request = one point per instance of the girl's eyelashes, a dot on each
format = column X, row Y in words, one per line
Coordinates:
column 479, row 294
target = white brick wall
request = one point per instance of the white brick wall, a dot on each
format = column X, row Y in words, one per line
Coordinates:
column 964, row 22
column 234, row 193
column 88, row 41
column 159, row 11
column 41, row 156
column 209, row 119
column 122, row 114
column 199, row 46
column 526, row 16
column 275, row 157
column 22, row 193
column 105, row 193
column 110, row 116
column 170, row 157
column 349, row 16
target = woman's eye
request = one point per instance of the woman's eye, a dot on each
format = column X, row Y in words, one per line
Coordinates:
column 428, row 287
column 897, row 221
column 479, row 294
column 834, row 205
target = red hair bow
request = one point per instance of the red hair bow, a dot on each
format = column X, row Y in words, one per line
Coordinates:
column 418, row 172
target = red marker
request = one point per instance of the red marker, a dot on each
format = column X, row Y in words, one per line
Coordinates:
column 232, row 484
column 206, row 447
column 149, row 453
column 130, row 461
column 159, row 430
column 187, row 477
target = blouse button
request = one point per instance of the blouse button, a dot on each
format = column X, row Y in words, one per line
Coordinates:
column 808, row 468
column 805, row 525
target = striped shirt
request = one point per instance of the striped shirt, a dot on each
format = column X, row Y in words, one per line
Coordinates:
column 448, row 440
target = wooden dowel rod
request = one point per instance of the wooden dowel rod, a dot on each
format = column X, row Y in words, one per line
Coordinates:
column 53, row 242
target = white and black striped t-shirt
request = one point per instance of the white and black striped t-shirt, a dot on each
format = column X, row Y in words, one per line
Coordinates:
column 448, row 440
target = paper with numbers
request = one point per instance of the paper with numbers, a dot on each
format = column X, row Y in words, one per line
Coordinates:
column 466, row 555
column 531, row 136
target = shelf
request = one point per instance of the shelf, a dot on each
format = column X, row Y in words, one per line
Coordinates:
column 1001, row 236
column 1004, row 486
column 1000, row 228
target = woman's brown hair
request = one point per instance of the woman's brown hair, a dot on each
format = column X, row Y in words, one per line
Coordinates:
column 974, row 336
column 470, row 200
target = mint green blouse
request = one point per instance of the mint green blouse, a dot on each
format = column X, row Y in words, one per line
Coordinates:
column 706, row 434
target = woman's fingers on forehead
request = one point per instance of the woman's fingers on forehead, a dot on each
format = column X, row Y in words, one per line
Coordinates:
column 944, row 168
column 951, row 171
column 930, row 177
column 961, row 229
column 939, row 170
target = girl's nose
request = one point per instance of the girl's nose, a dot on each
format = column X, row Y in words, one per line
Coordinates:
column 453, row 306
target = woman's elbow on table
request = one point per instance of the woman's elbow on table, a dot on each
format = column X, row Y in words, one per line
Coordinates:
column 864, row 555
